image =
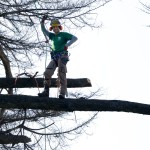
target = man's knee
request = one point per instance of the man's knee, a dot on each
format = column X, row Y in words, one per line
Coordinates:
column 63, row 69
column 48, row 73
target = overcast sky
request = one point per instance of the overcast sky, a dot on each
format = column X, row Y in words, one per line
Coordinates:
column 116, row 58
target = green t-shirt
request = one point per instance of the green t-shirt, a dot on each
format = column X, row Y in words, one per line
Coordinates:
column 59, row 40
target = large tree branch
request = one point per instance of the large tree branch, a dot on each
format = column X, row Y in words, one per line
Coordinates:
column 34, row 102
column 38, row 82
column 5, row 62
column 13, row 139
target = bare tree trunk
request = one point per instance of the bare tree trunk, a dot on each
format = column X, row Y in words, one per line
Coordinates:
column 13, row 139
column 8, row 73
column 34, row 102
column 6, row 63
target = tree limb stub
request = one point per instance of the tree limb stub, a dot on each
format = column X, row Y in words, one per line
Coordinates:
column 13, row 139
column 38, row 82
column 35, row 102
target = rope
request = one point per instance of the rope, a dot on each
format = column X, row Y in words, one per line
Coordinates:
column 28, row 75
column 47, row 42
column 46, row 55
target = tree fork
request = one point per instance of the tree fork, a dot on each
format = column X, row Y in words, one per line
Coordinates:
column 35, row 102
column 38, row 82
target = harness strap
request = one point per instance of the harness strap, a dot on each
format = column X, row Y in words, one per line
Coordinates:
column 57, row 55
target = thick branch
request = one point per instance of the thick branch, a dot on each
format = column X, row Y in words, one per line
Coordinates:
column 6, row 63
column 38, row 82
column 13, row 139
column 34, row 102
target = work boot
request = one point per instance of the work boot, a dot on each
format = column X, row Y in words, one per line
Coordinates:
column 45, row 93
column 61, row 96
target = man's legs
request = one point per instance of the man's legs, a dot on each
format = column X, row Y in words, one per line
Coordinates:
column 47, row 82
column 62, row 70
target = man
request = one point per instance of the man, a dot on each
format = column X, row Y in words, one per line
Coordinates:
column 60, row 43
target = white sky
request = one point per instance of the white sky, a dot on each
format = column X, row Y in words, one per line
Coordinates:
column 116, row 58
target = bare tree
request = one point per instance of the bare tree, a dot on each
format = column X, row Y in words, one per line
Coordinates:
column 20, row 42
column 34, row 128
column 19, row 35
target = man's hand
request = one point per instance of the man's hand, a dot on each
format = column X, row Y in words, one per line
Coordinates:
column 44, row 18
column 66, row 48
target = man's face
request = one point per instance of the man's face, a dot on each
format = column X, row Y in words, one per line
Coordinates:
column 56, row 29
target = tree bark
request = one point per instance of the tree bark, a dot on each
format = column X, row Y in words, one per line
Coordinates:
column 34, row 102
column 38, row 82
column 13, row 139
column 6, row 64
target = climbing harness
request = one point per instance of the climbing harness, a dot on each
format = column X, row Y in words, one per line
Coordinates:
column 62, row 55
